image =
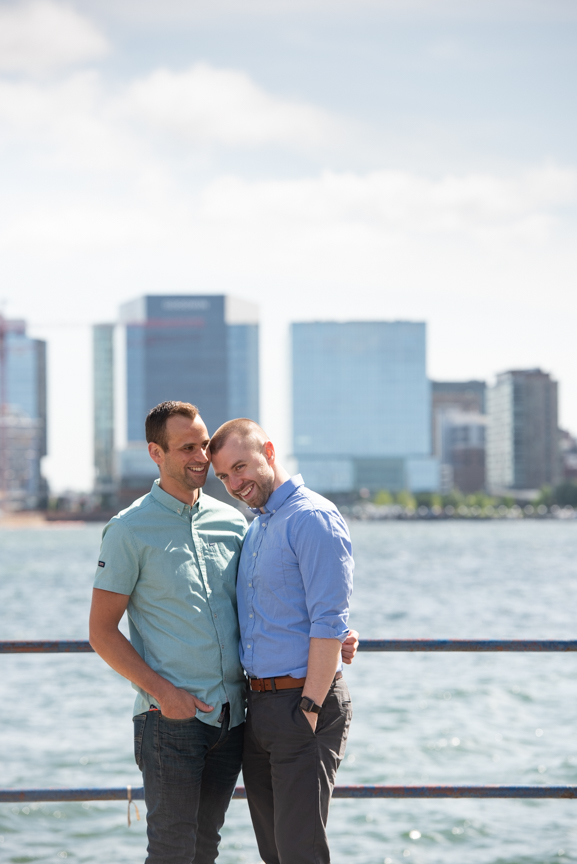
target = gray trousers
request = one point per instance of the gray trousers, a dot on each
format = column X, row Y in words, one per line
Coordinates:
column 289, row 772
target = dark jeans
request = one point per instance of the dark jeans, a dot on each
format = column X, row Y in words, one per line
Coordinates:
column 289, row 772
column 189, row 771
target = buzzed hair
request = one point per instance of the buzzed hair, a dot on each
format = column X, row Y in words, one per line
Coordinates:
column 247, row 430
column 156, row 419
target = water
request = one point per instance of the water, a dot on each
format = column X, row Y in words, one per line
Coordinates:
column 455, row 718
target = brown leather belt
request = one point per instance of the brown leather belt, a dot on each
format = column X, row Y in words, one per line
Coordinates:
column 283, row 682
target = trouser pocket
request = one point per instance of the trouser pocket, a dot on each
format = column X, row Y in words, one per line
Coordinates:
column 139, row 724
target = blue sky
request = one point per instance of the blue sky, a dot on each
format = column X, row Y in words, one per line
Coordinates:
column 352, row 160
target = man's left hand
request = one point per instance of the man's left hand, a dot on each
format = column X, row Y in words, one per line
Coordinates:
column 312, row 718
column 349, row 648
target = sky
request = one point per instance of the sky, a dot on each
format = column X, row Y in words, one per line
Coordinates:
column 352, row 160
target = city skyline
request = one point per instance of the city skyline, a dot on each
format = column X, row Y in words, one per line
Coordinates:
column 461, row 402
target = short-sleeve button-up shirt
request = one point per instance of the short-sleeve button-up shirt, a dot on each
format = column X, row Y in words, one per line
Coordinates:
column 179, row 566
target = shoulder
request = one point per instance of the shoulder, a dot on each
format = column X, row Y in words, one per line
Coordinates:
column 131, row 514
column 312, row 511
column 307, row 501
column 130, row 518
column 318, row 502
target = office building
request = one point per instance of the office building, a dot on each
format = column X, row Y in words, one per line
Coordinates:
column 103, row 419
column 522, row 435
column 362, row 406
column 23, row 433
column 192, row 348
column 468, row 396
column 461, row 450
column 568, row 453
column 459, row 440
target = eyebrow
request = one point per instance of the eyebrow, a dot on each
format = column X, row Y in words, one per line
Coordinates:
column 232, row 467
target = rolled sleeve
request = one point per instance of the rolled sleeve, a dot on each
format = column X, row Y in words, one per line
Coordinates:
column 118, row 563
column 323, row 547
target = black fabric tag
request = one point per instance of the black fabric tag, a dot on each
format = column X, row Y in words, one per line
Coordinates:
column 101, row 563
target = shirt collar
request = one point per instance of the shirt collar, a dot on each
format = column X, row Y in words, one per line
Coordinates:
column 279, row 496
column 173, row 503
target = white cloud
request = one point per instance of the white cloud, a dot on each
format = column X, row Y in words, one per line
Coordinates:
column 296, row 222
column 204, row 105
column 398, row 202
column 67, row 125
column 42, row 35
column 77, row 123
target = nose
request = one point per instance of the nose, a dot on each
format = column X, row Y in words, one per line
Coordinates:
column 202, row 456
column 235, row 483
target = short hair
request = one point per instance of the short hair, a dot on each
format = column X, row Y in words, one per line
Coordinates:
column 156, row 419
column 247, row 430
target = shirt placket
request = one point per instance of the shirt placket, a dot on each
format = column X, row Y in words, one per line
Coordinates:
column 198, row 545
column 250, row 595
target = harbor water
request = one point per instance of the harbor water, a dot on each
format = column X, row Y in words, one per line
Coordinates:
column 419, row 718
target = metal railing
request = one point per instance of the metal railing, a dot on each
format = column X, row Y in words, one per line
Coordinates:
column 77, row 646
column 127, row 793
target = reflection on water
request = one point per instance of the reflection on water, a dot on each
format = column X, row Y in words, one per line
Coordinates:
column 419, row 718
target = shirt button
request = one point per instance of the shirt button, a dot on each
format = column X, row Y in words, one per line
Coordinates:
column 215, row 614
column 250, row 584
column 250, row 616
column 248, row 646
column 274, row 511
column 254, row 554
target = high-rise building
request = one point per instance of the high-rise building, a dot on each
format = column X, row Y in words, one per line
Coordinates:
column 461, row 450
column 23, row 418
column 362, row 406
column 568, row 452
column 522, row 436
column 192, row 348
column 459, row 440
column 103, row 381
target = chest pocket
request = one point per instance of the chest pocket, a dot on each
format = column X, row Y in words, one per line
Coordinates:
column 269, row 572
column 222, row 558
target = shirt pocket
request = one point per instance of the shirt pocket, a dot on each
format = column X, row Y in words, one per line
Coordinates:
column 270, row 573
column 222, row 557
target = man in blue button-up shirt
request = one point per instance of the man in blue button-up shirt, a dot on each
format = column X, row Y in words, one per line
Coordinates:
column 293, row 589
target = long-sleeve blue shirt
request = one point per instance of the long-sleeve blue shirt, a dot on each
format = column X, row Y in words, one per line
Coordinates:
column 294, row 581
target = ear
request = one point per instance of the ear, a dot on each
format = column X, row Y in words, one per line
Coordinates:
column 269, row 452
column 156, row 453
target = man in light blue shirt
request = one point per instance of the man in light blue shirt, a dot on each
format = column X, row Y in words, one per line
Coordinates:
column 170, row 560
column 294, row 586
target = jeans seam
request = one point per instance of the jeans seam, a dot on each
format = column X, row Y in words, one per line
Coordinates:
column 138, row 740
column 157, row 759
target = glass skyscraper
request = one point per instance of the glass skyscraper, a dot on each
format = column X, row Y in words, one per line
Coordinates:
column 361, row 406
column 103, row 381
column 23, row 417
column 198, row 348
column 523, row 433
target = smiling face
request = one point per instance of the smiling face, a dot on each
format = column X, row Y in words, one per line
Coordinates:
column 245, row 466
column 184, row 464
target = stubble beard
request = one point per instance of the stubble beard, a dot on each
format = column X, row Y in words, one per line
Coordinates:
column 187, row 478
column 263, row 491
